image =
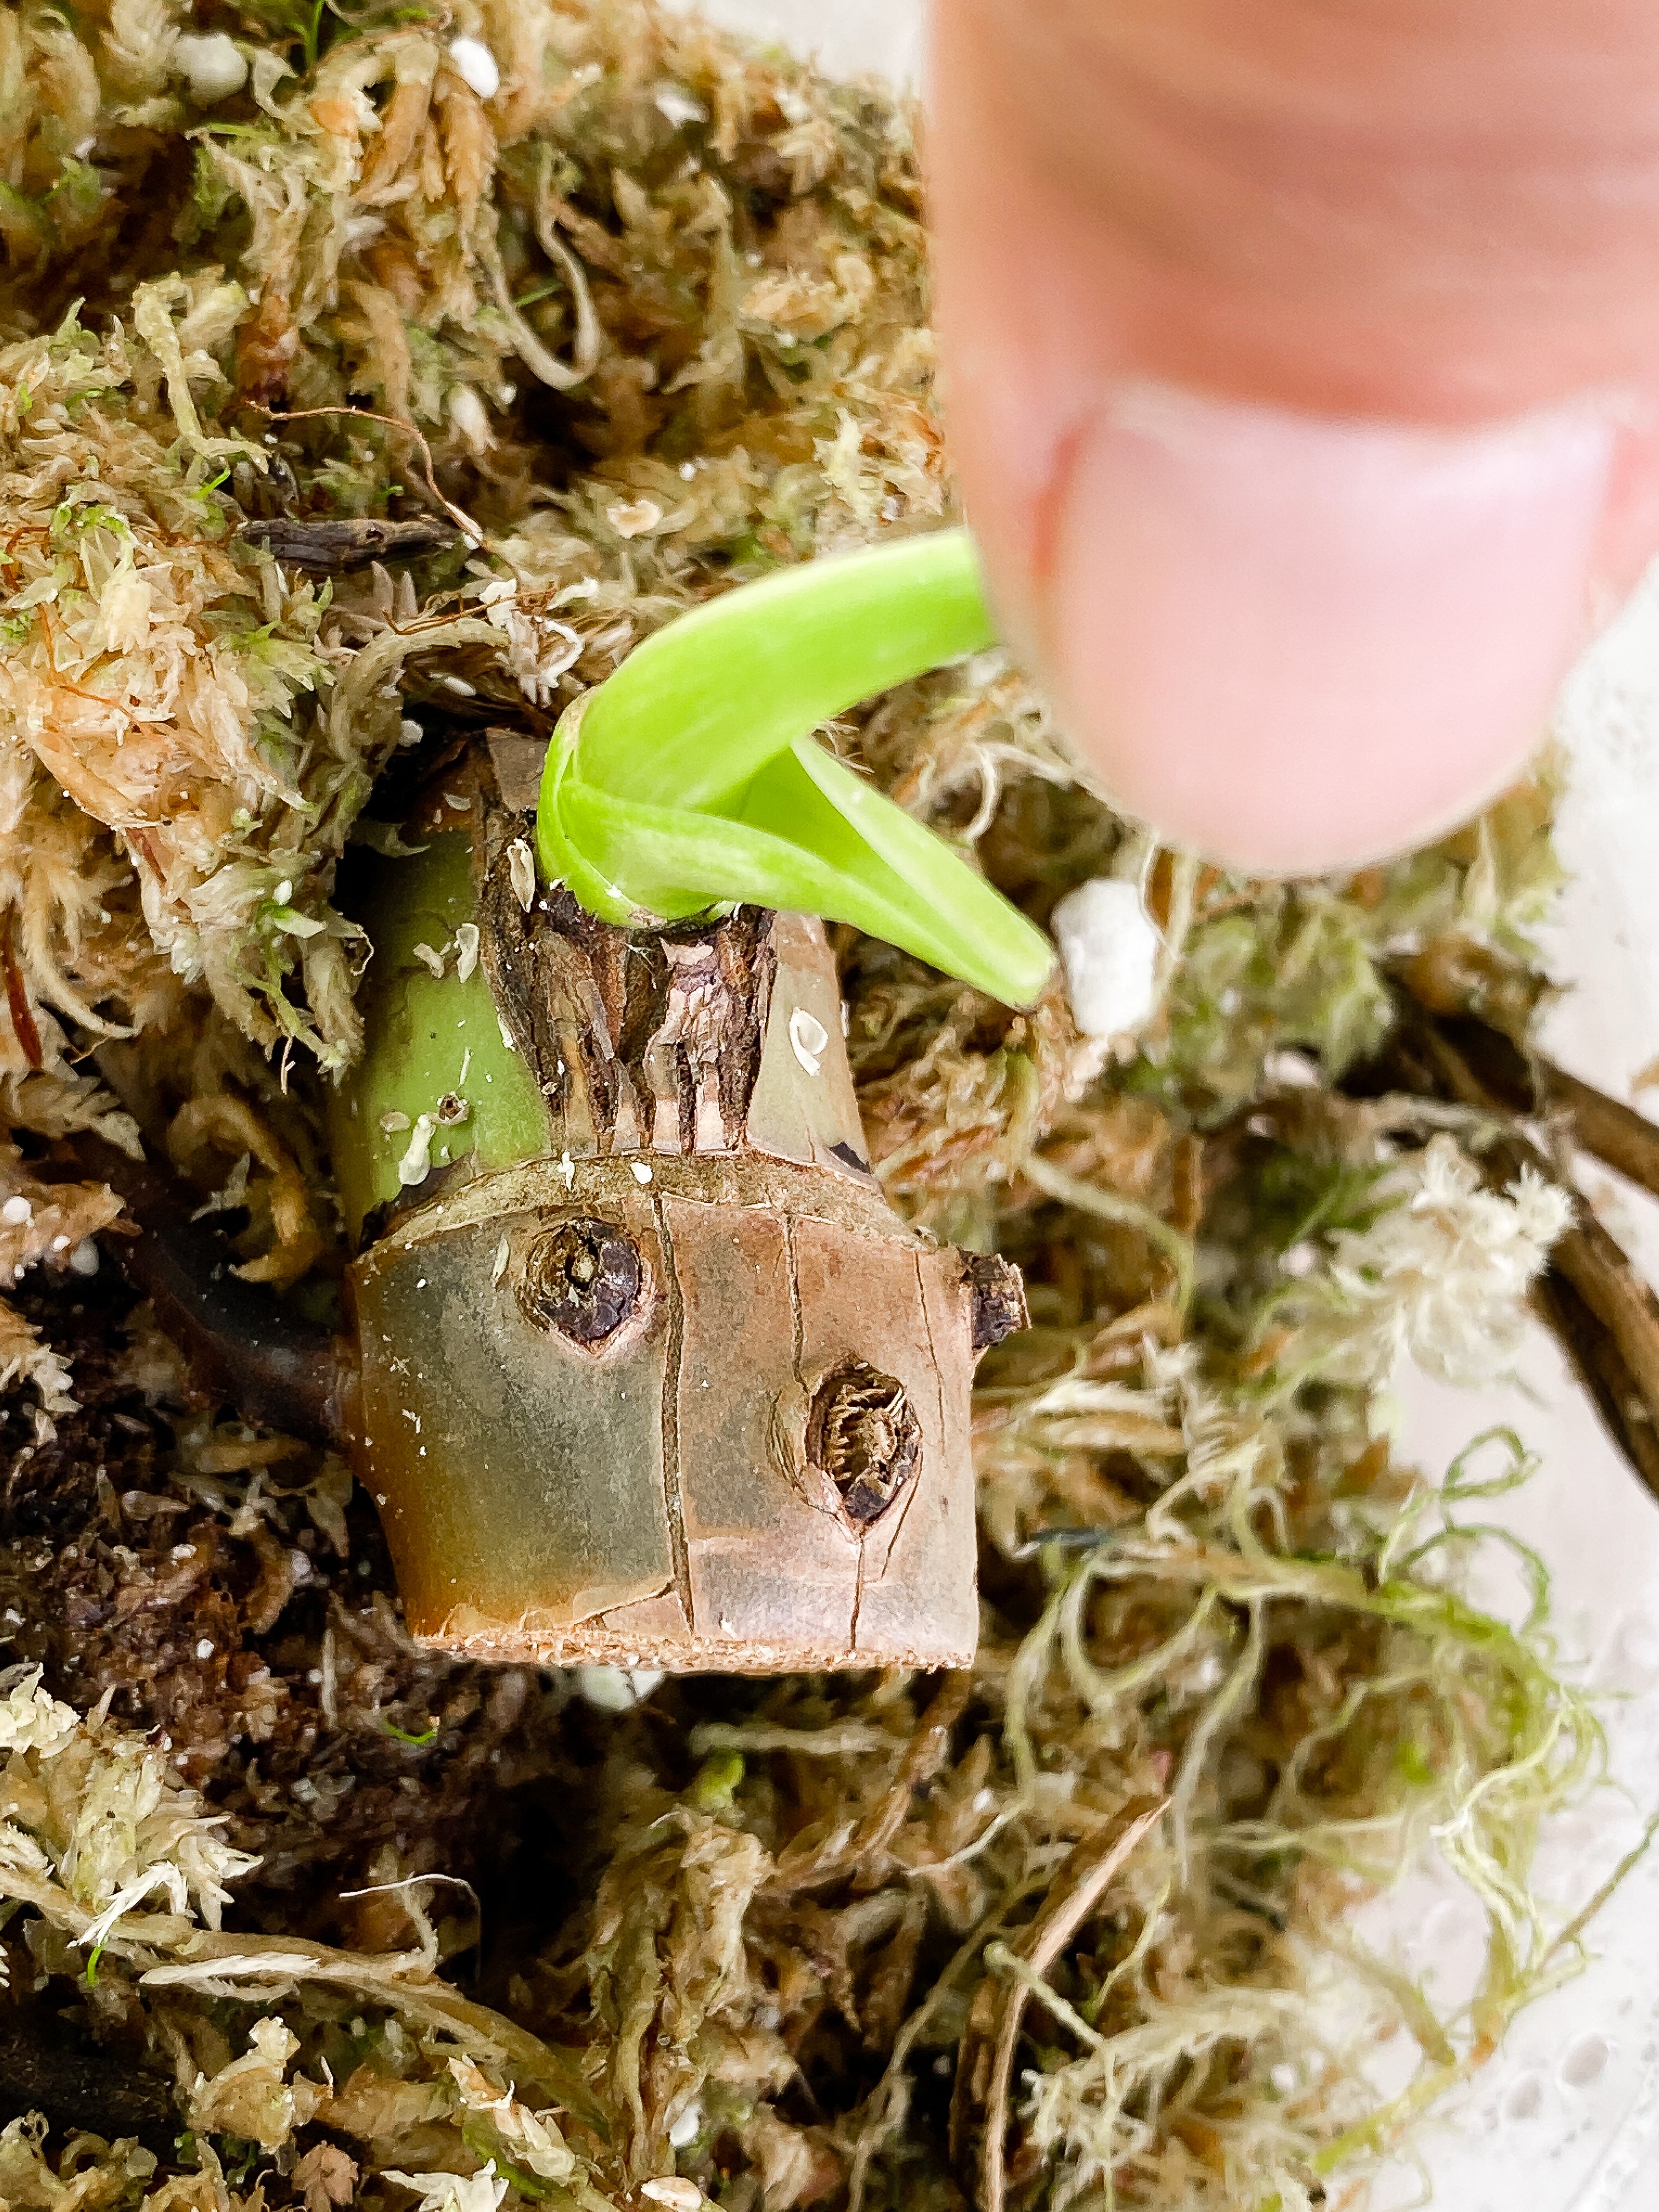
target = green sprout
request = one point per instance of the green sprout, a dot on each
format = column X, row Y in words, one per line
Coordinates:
column 301, row 19
column 691, row 780
column 405, row 1736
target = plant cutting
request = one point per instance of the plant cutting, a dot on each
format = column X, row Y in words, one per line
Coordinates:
column 650, row 1372
column 644, row 1370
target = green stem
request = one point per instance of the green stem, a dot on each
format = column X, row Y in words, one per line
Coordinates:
column 691, row 778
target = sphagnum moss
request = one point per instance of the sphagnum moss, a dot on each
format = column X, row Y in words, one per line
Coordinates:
column 655, row 315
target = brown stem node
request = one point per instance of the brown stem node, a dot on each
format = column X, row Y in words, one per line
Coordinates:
column 585, row 1279
column 997, row 1291
column 863, row 1433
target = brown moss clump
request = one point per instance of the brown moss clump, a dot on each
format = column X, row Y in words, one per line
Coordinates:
column 651, row 320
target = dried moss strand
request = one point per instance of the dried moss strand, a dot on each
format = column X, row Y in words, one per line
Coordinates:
column 1073, row 1898
column 1123, row 1214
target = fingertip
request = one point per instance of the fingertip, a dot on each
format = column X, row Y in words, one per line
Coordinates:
column 1293, row 644
column 1332, row 242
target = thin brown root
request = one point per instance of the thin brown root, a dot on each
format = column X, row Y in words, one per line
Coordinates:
column 1595, row 1359
column 998, row 2009
column 241, row 1345
column 459, row 515
column 1599, row 1307
column 1525, row 1083
column 17, row 997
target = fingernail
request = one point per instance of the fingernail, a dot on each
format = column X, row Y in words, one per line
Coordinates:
column 1294, row 643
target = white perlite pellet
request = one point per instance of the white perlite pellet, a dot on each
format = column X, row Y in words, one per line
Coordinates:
column 478, row 65
column 1109, row 946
